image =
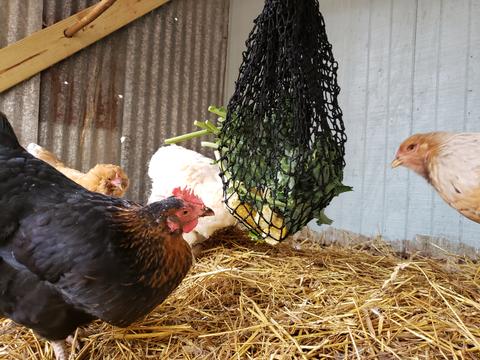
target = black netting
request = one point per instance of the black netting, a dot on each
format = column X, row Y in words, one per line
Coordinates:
column 282, row 144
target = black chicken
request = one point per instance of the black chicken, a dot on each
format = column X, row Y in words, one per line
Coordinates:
column 69, row 256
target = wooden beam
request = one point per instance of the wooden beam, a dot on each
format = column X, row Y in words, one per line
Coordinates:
column 46, row 47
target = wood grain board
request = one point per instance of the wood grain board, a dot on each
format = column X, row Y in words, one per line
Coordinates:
column 46, row 47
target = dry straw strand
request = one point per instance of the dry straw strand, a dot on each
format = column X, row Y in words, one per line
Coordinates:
column 298, row 300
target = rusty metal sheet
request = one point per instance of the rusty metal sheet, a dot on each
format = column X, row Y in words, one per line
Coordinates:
column 116, row 101
column 19, row 18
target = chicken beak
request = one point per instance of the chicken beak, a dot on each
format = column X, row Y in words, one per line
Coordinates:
column 207, row 211
column 117, row 181
column 396, row 163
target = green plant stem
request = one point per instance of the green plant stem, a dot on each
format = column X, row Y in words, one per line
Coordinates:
column 186, row 137
column 201, row 124
column 209, row 144
column 217, row 111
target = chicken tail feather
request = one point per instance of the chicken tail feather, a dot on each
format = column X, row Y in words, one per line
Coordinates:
column 7, row 135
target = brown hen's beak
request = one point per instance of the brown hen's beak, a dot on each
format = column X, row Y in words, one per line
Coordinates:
column 120, row 186
column 396, row 163
column 117, row 181
column 207, row 211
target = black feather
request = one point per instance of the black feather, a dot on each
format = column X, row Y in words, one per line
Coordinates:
column 64, row 256
column 7, row 135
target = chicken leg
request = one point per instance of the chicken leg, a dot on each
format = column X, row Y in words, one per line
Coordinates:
column 59, row 349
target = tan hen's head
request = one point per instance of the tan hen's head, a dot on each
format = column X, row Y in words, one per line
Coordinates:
column 415, row 151
column 112, row 180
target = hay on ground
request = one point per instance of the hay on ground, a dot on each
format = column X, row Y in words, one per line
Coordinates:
column 295, row 301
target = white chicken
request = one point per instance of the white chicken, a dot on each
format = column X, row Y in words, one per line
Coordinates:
column 191, row 169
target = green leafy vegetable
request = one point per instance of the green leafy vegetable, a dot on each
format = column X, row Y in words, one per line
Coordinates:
column 285, row 190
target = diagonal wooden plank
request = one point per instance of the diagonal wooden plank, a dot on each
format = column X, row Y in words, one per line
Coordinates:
column 46, row 47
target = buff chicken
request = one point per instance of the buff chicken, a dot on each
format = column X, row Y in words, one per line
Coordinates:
column 106, row 179
column 450, row 162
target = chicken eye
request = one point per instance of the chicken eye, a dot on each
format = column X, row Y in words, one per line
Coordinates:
column 185, row 212
column 411, row 147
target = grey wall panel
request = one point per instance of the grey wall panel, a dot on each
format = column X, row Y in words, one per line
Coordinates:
column 19, row 18
column 186, row 50
column 242, row 13
column 399, row 110
column 117, row 100
column 81, row 104
column 421, row 72
column 405, row 66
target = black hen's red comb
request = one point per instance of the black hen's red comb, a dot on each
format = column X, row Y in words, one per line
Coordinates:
column 187, row 195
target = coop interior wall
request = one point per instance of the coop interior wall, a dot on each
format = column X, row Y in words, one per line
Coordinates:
column 119, row 99
column 405, row 66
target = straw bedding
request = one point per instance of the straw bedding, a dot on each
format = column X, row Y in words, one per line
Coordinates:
column 298, row 300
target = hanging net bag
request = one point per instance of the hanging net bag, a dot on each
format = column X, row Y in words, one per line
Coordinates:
column 281, row 140
column 281, row 145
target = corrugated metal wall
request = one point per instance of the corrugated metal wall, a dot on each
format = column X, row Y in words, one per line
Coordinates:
column 19, row 18
column 117, row 100
column 406, row 66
